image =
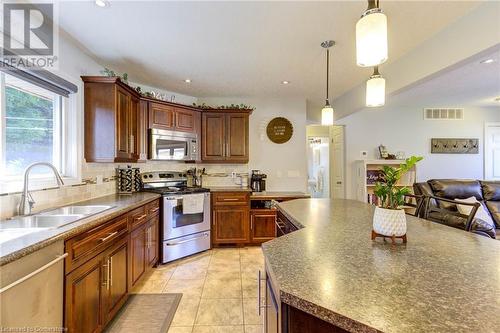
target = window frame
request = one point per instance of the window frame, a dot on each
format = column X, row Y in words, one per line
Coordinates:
column 65, row 145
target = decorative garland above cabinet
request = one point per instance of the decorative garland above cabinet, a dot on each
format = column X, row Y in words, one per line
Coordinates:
column 118, row 120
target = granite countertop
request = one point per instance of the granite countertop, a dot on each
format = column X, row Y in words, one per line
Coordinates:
column 268, row 195
column 18, row 247
column 442, row 280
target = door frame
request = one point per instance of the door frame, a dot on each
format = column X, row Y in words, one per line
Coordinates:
column 487, row 127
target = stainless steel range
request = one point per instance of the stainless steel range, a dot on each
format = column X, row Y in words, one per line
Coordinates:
column 185, row 228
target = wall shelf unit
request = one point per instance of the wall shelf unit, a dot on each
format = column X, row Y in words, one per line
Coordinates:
column 366, row 171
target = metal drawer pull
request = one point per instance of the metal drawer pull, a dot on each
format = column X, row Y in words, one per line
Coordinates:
column 154, row 210
column 187, row 240
column 140, row 217
column 108, row 236
column 230, row 199
column 30, row 275
column 111, row 271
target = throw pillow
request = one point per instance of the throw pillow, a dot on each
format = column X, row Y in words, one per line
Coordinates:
column 480, row 214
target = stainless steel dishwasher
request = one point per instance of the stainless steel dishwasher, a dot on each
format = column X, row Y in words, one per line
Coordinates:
column 31, row 291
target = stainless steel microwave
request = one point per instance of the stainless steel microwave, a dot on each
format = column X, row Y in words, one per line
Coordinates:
column 173, row 145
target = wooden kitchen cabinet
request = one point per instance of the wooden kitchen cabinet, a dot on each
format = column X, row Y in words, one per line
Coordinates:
column 230, row 218
column 262, row 225
column 174, row 117
column 153, row 245
column 115, row 281
column 138, row 241
column 161, row 116
column 143, row 131
column 84, row 299
column 111, row 120
column 225, row 137
column 104, row 263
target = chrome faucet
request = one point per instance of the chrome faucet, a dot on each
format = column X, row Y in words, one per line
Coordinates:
column 27, row 201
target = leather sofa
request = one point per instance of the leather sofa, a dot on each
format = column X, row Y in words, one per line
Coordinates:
column 486, row 192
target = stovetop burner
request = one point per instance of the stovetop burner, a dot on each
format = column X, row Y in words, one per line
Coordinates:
column 176, row 190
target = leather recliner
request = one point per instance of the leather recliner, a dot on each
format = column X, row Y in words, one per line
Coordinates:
column 486, row 192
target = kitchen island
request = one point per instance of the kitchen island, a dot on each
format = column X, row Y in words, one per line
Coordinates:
column 328, row 276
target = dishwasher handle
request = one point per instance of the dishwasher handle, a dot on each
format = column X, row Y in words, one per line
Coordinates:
column 30, row 275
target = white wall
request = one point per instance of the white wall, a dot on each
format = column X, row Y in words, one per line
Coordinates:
column 404, row 129
column 285, row 164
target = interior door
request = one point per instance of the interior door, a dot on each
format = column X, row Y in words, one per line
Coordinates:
column 337, row 183
column 492, row 151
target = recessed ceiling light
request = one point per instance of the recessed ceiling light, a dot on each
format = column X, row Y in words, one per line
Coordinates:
column 101, row 3
column 187, row 80
column 285, row 82
column 497, row 99
column 487, row 61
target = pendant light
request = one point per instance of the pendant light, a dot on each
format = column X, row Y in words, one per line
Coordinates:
column 375, row 89
column 371, row 36
column 327, row 111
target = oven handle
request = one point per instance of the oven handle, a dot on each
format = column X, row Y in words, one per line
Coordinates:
column 205, row 234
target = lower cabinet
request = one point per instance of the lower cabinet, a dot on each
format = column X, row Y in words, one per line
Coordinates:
column 230, row 224
column 84, row 297
column 98, row 284
column 137, row 255
column 152, row 237
column 262, row 225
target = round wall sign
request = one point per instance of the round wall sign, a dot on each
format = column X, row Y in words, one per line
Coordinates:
column 279, row 130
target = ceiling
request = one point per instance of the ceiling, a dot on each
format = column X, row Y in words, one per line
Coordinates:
column 245, row 49
column 470, row 83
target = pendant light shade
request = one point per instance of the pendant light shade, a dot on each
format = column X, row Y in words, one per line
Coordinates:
column 327, row 115
column 371, row 37
column 375, row 90
column 327, row 111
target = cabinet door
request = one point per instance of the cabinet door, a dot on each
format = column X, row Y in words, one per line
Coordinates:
column 262, row 225
column 230, row 224
column 213, row 136
column 271, row 314
column 134, row 137
column 83, row 300
column 153, row 246
column 143, row 131
column 161, row 116
column 184, row 120
column 237, row 137
column 122, row 124
column 137, row 255
column 115, row 282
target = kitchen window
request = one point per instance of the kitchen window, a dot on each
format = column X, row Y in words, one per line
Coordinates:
column 34, row 128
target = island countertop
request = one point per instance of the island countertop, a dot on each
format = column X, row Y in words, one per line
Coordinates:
column 442, row 280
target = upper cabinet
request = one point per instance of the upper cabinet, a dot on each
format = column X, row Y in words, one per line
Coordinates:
column 112, row 121
column 225, row 136
column 164, row 115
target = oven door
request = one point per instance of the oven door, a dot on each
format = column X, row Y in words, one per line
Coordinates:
column 176, row 224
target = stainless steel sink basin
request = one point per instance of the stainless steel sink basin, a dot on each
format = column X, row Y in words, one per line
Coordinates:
column 41, row 221
column 77, row 210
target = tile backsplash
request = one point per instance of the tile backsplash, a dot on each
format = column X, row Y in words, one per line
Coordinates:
column 98, row 179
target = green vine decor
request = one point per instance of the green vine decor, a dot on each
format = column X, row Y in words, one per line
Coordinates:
column 224, row 107
column 392, row 196
column 109, row 72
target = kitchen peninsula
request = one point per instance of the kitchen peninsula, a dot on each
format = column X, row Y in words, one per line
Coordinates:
column 330, row 277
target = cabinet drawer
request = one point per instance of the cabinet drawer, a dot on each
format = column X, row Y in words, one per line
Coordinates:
column 86, row 245
column 153, row 208
column 231, row 198
column 137, row 217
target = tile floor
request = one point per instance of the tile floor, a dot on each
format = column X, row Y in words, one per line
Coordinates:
column 219, row 290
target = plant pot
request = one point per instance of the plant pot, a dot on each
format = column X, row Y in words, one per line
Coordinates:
column 389, row 222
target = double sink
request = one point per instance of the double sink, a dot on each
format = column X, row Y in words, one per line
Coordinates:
column 55, row 218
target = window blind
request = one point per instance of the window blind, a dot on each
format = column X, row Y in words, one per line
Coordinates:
column 41, row 78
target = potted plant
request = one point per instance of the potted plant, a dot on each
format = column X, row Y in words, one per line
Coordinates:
column 389, row 218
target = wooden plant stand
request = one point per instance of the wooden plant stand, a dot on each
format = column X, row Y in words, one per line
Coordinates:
column 393, row 238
